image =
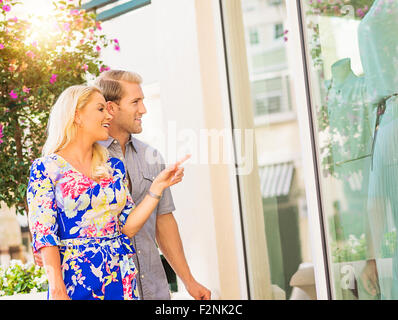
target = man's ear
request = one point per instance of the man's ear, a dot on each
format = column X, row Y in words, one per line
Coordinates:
column 111, row 107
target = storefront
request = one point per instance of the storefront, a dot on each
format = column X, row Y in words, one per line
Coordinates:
column 307, row 90
column 286, row 107
column 340, row 61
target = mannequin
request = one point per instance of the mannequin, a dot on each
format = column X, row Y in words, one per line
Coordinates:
column 350, row 116
column 351, row 120
column 363, row 119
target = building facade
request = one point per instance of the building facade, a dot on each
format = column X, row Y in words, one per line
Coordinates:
column 286, row 107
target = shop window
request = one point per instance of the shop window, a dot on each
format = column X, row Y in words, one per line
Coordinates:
column 353, row 53
column 280, row 186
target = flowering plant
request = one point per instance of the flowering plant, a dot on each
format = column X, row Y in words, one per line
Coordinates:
column 338, row 8
column 40, row 56
column 353, row 248
column 22, row 278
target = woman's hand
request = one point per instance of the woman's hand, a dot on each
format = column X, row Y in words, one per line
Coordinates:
column 170, row 176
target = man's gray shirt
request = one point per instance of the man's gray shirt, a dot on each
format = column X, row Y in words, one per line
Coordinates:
column 151, row 278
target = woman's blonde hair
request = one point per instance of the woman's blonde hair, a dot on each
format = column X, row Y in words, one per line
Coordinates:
column 62, row 129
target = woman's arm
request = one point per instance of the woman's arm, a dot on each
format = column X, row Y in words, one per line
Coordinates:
column 168, row 177
column 52, row 265
column 44, row 227
column 141, row 213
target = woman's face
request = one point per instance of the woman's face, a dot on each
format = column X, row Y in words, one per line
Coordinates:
column 93, row 120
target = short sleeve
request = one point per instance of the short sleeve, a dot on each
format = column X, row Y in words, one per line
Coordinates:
column 118, row 166
column 42, row 208
column 166, row 203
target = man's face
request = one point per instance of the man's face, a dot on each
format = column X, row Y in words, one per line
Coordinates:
column 130, row 109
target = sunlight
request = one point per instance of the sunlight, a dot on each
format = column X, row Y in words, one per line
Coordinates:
column 40, row 13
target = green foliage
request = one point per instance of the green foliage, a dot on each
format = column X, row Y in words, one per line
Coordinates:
column 354, row 249
column 39, row 58
column 22, row 278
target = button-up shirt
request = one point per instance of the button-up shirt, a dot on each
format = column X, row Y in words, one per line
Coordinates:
column 142, row 170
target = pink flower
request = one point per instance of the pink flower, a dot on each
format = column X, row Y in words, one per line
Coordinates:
column 104, row 68
column 34, row 43
column 30, row 54
column 13, row 95
column 109, row 228
column 115, row 40
column 117, row 48
column 53, row 78
column 1, row 46
column 66, row 26
column 74, row 12
column 127, row 282
column 75, row 185
column 41, row 228
column 98, row 25
column 89, row 231
column 25, row 89
column 6, row 8
column 85, row 67
column 105, row 182
column 98, row 48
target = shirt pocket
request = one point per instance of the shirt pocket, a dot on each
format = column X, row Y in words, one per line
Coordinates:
column 142, row 185
column 148, row 177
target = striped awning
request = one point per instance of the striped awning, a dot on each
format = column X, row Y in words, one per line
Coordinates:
column 276, row 179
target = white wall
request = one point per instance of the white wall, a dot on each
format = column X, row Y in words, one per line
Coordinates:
column 159, row 41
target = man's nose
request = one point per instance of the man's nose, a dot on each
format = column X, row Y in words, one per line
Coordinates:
column 142, row 109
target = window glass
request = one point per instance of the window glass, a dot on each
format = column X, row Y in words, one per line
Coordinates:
column 278, row 149
column 353, row 68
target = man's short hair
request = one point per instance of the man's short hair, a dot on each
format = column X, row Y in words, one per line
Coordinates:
column 109, row 83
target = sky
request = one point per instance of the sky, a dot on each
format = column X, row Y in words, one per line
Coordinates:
column 37, row 7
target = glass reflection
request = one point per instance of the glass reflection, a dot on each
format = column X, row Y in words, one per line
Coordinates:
column 354, row 53
column 278, row 147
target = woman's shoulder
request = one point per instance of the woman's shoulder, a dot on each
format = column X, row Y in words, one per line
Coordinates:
column 43, row 161
column 50, row 165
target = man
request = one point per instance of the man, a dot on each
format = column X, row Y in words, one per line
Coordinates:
column 124, row 97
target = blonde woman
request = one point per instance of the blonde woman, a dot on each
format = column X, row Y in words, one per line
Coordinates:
column 79, row 203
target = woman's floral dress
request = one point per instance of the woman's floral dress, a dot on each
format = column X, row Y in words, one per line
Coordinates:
column 84, row 219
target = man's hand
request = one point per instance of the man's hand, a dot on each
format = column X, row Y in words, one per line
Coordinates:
column 197, row 291
column 38, row 259
column 370, row 277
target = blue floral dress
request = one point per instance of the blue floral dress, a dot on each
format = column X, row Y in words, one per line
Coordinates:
column 84, row 219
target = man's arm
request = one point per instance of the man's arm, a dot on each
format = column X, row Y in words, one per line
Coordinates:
column 169, row 241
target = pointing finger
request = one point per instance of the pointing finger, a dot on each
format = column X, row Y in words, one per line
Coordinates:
column 187, row 156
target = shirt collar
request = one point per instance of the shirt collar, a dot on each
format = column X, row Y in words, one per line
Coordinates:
column 110, row 140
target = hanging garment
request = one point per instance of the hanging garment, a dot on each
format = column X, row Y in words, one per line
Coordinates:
column 351, row 119
column 378, row 46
